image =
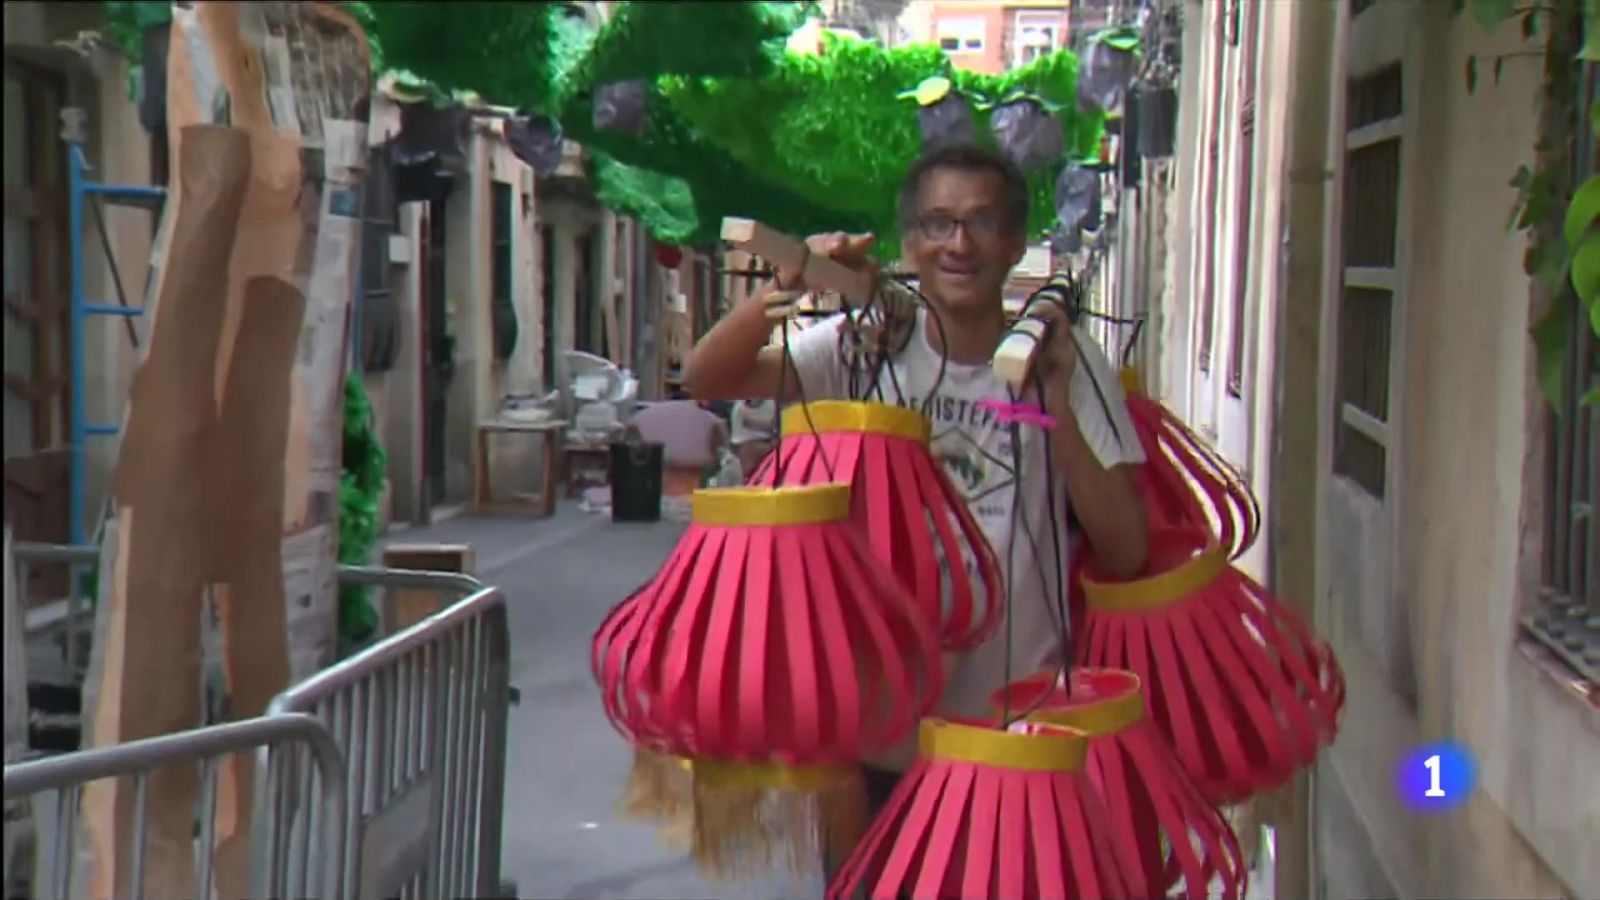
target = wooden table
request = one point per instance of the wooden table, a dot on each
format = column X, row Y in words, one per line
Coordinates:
column 578, row 458
column 550, row 434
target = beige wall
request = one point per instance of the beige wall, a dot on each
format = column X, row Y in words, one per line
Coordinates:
column 1427, row 585
column 1466, row 488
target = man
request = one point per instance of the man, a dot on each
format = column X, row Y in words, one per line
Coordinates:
column 963, row 211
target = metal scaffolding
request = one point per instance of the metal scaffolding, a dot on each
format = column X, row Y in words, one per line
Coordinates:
column 92, row 194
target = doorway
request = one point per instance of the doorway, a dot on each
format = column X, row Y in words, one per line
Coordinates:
column 36, row 308
column 438, row 354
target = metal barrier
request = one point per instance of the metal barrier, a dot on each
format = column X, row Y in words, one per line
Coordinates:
column 421, row 719
column 284, row 735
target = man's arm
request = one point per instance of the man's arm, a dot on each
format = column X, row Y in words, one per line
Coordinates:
column 1103, row 499
column 1094, row 447
column 733, row 361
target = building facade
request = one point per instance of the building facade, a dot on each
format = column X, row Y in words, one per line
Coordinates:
column 1341, row 309
column 989, row 37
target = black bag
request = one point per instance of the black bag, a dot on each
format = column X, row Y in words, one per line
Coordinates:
column 636, row 474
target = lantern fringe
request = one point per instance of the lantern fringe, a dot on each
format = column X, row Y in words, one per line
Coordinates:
column 749, row 818
column 660, row 791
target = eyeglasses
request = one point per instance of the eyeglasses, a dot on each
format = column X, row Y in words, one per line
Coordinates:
column 942, row 227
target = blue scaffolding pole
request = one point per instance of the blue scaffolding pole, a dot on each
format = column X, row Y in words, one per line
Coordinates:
column 81, row 191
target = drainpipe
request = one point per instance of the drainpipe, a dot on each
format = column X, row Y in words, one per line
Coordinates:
column 1292, row 505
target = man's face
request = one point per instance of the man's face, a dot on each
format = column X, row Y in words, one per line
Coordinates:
column 959, row 244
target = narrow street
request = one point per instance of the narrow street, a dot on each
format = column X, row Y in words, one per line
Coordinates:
column 565, row 765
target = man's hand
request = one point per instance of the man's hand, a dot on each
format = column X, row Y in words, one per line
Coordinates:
column 852, row 250
column 1057, row 358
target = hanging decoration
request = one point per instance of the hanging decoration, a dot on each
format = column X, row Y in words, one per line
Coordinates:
column 620, row 106
column 944, row 116
column 806, row 141
column 1150, row 799
column 1066, row 241
column 667, row 255
column 903, row 501
column 536, row 140
column 1110, row 60
column 773, row 652
column 1158, row 121
column 1184, row 482
column 1237, row 683
column 992, row 812
column 1027, row 132
column 1077, row 198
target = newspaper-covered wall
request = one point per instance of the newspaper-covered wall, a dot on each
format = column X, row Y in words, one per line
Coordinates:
column 267, row 105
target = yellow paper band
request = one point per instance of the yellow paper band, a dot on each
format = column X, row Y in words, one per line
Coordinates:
column 737, row 506
column 1131, row 382
column 722, row 773
column 1158, row 590
column 823, row 416
column 1061, row 750
column 1099, row 719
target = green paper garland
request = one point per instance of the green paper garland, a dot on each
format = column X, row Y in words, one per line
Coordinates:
column 360, row 488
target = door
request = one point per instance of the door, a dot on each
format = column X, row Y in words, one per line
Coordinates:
column 438, row 354
column 1237, row 399
column 1202, row 412
column 36, row 305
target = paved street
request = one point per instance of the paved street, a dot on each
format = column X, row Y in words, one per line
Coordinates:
column 566, row 765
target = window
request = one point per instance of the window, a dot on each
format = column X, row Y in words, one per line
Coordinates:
column 961, row 35
column 1367, row 299
column 1036, row 35
column 500, row 281
column 1564, row 619
column 1247, row 163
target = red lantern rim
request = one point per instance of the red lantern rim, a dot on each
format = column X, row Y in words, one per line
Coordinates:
column 754, row 506
column 1184, row 561
column 886, row 419
column 1029, row 745
column 1102, row 701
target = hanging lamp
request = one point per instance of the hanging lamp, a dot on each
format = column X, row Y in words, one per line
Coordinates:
column 1185, row 482
column 773, row 653
column 991, row 812
column 1236, row 682
column 1151, row 800
column 905, row 504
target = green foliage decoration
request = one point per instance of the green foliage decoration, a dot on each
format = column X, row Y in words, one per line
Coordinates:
column 360, row 489
column 499, row 50
column 126, row 23
column 648, row 40
column 836, row 126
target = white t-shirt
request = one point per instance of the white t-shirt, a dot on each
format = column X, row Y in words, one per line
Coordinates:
column 977, row 454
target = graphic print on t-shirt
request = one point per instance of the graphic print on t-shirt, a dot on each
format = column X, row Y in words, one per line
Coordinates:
column 975, row 450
